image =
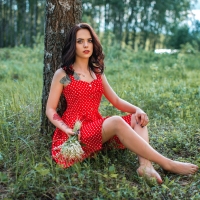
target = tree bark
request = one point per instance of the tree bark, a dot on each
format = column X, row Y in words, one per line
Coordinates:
column 61, row 15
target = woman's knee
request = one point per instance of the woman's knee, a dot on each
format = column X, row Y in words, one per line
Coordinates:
column 111, row 127
column 115, row 122
column 119, row 123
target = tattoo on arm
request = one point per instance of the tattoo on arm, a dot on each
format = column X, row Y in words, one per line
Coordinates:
column 65, row 80
column 58, row 118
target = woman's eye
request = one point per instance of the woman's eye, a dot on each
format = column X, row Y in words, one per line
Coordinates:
column 90, row 41
column 80, row 41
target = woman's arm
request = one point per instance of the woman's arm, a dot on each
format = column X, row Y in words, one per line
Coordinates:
column 124, row 106
column 59, row 81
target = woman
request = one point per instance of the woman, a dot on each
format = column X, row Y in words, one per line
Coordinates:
column 82, row 81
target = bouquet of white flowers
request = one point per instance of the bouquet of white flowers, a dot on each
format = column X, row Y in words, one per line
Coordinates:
column 71, row 149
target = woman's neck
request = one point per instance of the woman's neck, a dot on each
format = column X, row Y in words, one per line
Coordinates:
column 81, row 65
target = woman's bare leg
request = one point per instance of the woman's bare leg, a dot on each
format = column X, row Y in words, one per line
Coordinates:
column 146, row 169
column 130, row 139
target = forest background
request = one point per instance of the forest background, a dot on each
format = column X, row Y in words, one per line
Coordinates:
column 143, row 24
column 166, row 86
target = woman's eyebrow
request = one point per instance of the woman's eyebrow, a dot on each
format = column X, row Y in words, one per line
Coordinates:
column 83, row 39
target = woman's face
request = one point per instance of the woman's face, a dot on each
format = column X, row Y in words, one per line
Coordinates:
column 84, row 44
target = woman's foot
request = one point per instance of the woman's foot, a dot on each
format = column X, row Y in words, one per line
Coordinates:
column 181, row 167
column 149, row 172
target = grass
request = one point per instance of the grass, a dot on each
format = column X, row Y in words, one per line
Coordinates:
column 167, row 87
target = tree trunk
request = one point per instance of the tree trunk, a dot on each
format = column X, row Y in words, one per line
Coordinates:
column 1, row 24
column 11, row 25
column 61, row 15
column 35, row 18
column 21, row 21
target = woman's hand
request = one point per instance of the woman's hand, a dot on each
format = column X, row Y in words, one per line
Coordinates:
column 70, row 133
column 141, row 117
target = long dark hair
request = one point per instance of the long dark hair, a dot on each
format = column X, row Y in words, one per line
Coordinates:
column 96, row 60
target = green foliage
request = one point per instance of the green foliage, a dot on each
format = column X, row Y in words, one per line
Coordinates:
column 21, row 21
column 165, row 86
column 181, row 35
column 20, row 63
column 184, row 38
column 139, row 23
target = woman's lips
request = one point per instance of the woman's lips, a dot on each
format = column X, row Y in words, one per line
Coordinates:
column 86, row 51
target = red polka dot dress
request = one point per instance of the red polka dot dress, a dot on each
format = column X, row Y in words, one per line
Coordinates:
column 83, row 100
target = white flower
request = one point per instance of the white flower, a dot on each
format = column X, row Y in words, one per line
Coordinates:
column 71, row 149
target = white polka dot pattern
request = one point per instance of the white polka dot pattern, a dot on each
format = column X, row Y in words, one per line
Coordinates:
column 83, row 100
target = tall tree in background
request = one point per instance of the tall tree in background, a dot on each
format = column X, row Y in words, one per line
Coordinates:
column 61, row 15
column 142, row 24
column 20, row 22
column 139, row 23
column 22, row 36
